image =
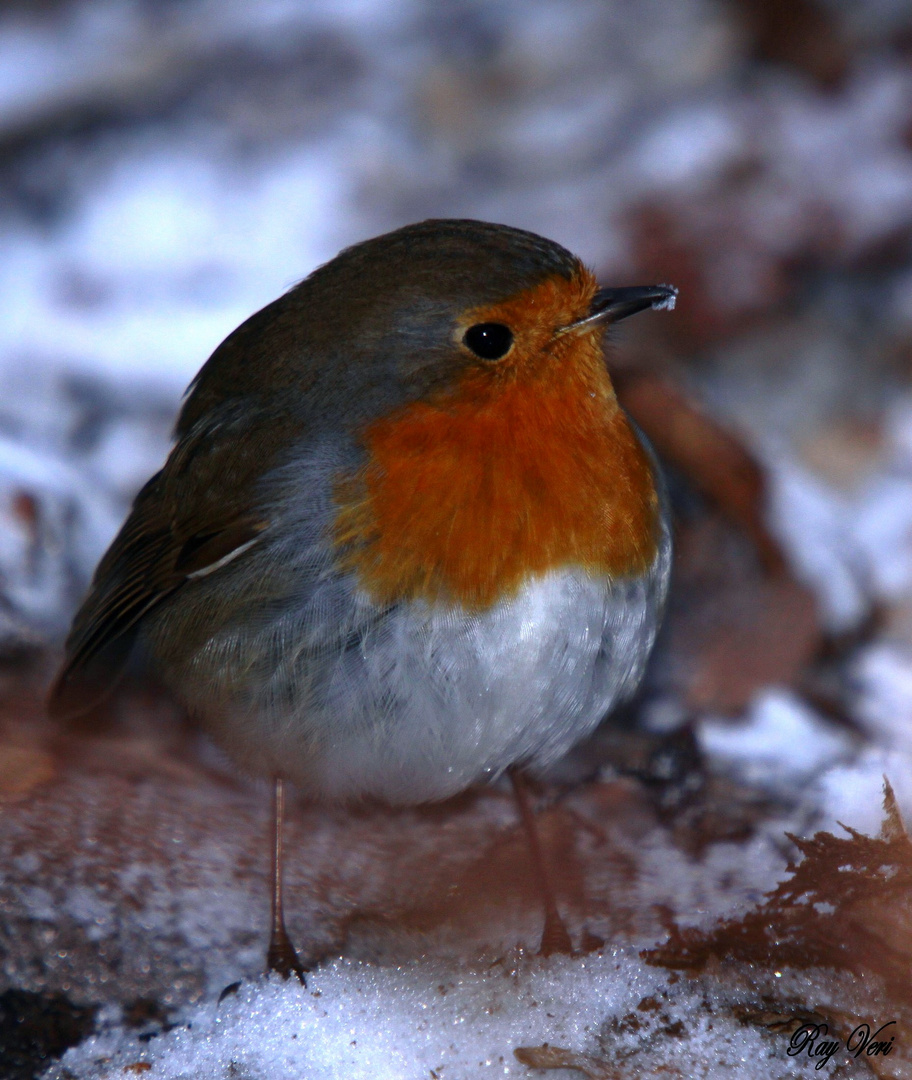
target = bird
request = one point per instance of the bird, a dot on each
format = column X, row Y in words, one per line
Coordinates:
column 406, row 539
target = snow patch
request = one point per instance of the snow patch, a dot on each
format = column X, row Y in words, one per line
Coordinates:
column 778, row 745
column 428, row 1019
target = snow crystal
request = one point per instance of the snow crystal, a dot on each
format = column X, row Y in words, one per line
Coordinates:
column 427, row 1019
column 668, row 303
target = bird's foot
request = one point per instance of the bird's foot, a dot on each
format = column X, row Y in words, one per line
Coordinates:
column 555, row 937
column 590, row 942
column 282, row 957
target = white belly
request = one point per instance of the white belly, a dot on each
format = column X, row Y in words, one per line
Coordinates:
column 431, row 701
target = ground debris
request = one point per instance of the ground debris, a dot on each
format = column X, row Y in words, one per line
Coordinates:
column 558, row 1057
column 846, row 906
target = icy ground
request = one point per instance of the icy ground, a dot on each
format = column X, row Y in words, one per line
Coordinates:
column 138, row 877
column 604, row 1016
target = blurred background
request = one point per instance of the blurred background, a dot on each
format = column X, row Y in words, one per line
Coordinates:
column 166, row 168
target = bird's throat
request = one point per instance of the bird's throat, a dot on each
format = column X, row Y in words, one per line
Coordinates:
column 463, row 499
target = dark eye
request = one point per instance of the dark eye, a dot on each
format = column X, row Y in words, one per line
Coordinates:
column 489, row 340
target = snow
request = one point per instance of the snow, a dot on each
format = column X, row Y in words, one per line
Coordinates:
column 166, row 258
column 53, row 523
column 780, row 744
column 854, row 547
column 882, row 678
column 814, row 523
column 668, row 304
column 422, row 1019
column 690, row 147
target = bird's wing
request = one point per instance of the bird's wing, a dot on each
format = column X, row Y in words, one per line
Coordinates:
column 189, row 520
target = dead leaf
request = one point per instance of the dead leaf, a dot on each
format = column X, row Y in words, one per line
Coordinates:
column 732, row 629
column 22, row 769
column 713, row 459
column 801, row 34
column 557, row 1057
column 844, row 906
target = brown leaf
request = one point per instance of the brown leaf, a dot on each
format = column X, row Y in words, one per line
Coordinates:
column 557, row 1057
column 22, row 769
column 801, row 34
column 731, row 628
column 844, row 906
column 714, row 460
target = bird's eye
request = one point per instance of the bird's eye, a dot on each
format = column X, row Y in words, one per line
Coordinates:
column 489, row 340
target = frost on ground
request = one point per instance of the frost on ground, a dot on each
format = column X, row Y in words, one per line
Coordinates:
column 135, row 876
column 816, row 975
column 604, row 1016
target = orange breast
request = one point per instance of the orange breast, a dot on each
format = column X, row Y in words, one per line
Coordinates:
column 513, row 474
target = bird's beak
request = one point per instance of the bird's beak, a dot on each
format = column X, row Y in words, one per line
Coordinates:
column 612, row 305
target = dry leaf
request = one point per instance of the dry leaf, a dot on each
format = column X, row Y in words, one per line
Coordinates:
column 557, row 1057
column 846, row 906
column 714, row 460
column 731, row 628
column 22, row 769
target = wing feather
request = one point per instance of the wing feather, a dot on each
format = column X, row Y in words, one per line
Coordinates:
column 185, row 522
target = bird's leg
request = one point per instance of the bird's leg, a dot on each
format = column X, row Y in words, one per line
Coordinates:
column 555, row 938
column 281, row 956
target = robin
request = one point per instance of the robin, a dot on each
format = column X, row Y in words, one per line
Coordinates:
column 406, row 539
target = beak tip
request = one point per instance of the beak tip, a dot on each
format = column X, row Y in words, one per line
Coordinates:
column 612, row 305
column 668, row 301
